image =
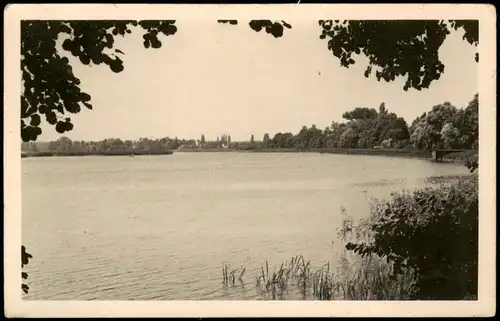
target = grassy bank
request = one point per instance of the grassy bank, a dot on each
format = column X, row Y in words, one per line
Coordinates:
column 95, row 153
column 368, row 279
column 344, row 151
column 460, row 157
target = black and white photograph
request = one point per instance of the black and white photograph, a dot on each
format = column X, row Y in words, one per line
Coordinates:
column 225, row 155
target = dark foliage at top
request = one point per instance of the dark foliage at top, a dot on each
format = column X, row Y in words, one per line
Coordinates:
column 397, row 47
column 51, row 90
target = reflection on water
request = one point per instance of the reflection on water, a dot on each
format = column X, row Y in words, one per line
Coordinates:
column 160, row 227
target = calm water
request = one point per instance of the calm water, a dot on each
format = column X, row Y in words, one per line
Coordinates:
column 160, row 227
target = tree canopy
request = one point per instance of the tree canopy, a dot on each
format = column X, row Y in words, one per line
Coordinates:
column 51, row 90
column 360, row 113
column 446, row 126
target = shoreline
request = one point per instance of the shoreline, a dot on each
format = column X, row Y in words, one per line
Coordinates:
column 405, row 153
column 82, row 154
column 421, row 154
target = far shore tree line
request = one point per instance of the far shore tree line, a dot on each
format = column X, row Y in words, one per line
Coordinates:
column 443, row 127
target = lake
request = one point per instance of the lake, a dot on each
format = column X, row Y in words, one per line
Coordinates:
column 160, row 227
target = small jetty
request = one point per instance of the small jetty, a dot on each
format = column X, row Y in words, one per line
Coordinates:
column 439, row 154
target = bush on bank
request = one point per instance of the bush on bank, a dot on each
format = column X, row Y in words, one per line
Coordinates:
column 432, row 231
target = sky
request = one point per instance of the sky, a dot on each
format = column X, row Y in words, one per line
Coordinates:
column 212, row 78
